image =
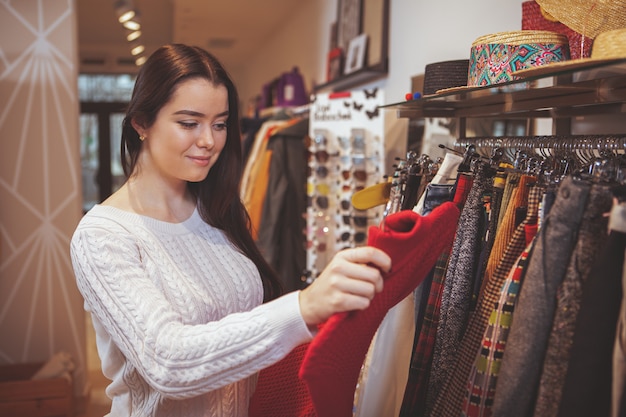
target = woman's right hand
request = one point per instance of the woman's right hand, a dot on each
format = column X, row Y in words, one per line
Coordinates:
column 349, row 282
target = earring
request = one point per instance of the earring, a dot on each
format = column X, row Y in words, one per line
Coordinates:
column 141, row 137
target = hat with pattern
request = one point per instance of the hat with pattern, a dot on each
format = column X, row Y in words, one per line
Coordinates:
column 497, row 57
column 609, row 46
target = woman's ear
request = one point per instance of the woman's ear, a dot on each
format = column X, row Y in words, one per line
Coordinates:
column 138, row 126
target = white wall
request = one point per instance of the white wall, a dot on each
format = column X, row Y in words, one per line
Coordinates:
column 302, row 41
column 424, row 32
column 421, row 32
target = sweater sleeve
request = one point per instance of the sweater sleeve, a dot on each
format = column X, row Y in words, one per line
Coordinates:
column 176, row 359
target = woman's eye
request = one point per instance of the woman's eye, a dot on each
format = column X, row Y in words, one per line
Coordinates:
column 188, row 125
column 220, row 126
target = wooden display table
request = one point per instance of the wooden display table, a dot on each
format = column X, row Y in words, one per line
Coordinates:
column 23, row 397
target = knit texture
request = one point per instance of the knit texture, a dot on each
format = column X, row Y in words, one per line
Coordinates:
column 176, row 311
column 333, row 361
column 280, row 392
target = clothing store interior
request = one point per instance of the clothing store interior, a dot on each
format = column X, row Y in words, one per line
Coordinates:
column 361, row 122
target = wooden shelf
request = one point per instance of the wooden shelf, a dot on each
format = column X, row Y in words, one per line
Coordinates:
column 598, row 88
column 355, row 79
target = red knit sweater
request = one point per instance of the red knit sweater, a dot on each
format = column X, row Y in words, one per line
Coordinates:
column 331, row 363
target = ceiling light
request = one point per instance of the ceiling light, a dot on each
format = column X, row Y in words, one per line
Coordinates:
column 124, row 11
column 132, row 25
column 137, row 49
column 133, row 35
column 139, row 61
column 126, row 16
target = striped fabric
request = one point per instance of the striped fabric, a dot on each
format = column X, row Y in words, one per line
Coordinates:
column 492, row 210
column 520, row 371
column 481, row 384
column 511, row 182
column 517, row 195
column 449, row 402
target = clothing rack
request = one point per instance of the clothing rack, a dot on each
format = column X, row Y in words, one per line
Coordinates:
column 614, row 143
column 600, row 156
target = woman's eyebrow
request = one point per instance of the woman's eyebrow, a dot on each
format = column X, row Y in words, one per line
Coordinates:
column 190, row 113
column 199, row 114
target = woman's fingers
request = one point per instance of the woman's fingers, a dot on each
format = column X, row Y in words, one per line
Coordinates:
column 365, row 263
column 368, row 255
column 351, row 277
column 349, row 282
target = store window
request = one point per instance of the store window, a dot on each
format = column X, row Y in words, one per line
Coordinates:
column 103, row 100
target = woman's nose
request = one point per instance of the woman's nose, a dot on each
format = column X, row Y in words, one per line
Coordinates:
column 206, row 140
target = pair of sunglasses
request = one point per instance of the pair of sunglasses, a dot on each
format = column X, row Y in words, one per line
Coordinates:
column 359, row 174
column 360, row 221
column 359, row 237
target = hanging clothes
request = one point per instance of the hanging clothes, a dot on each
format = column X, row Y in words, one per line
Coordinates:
column 545, row 339
column 414, row 401
column 381, row 389
column 491, row 202
column 588, row 383
column 249, row 128
column 480, row 387
column 516, row 388
column 436, row 194
column 386, row 366
column 446, row 175
column 280, row 236
column 333, row 361
column 617, row 224
column 509, row 187
column 256, row 172
column 458, row 285
column 506, row 222
column 451, row 398
column 441, row 189
column 591, row 236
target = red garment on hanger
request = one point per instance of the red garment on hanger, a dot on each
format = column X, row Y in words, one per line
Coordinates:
column 333, row 361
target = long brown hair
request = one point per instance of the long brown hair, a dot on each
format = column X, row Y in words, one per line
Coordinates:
column 218, row 198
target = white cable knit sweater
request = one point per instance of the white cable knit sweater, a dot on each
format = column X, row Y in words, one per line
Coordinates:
column 178, row 317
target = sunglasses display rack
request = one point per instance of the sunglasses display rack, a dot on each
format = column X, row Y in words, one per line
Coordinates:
column 345, row 156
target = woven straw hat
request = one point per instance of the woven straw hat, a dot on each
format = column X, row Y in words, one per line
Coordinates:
column 496, row 58
column 607, row 47
column 587, row 17
column 445, row 74
column 535, row 18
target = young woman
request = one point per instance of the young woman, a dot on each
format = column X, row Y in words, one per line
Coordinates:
column 185, row 309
